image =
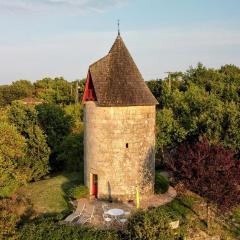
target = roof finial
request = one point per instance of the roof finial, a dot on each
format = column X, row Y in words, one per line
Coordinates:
column 118, row 27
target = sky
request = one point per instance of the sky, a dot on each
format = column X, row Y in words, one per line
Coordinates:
column 52, row 38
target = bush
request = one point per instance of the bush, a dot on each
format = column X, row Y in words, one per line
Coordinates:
column 161, row 183
column 8, row 219
column 210, row 170
column 78, row 192
column 11, row 212
column 48, row 227
column 153, row 224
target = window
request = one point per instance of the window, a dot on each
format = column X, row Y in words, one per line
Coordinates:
column 126, row 145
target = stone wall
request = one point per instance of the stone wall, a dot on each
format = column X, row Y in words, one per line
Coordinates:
column 119, row 147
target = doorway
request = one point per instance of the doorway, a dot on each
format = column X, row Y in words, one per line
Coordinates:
column 94, row 185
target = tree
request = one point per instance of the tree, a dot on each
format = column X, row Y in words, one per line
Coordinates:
column 81, row 87
column 231, row 126
column 169, row 132
column 36, row 161
column 54, row 91
column 204, row 102
column 16, row 91
column 22, row 88
column 12, row 147
column 70, row 153
column 57, row 125
column 209, row 170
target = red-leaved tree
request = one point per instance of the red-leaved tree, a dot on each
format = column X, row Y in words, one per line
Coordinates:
column 210, row 170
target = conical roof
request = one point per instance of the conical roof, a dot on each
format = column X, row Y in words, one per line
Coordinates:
column 117, row 80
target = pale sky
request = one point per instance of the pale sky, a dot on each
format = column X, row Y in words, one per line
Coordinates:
column 50, row 38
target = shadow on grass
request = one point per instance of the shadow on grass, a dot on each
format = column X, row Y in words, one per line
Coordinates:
column 74, row 179
column 178, row 207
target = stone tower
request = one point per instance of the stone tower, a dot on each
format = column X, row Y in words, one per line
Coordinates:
column 119, row 128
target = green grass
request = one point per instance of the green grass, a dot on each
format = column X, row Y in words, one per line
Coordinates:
column 192, row 213
column 78, row 192
column 49, row 196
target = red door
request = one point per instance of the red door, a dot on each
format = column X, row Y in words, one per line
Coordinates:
column 94, row 185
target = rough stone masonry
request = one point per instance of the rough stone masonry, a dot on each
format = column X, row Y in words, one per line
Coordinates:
column 119, row 128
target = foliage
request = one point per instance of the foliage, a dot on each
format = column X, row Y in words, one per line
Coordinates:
column 76, row 111
column 81, row 87
column 78, row 192
column 8, row 219
column 48, row 227
column 153, row 224
column 161, row 183
column 56, row 125
column 12, row 146
column 70, row 153
column 36, row 161
column 209, row 170
column 17, row 90
column 201, row 102
column 54, row 91
column 169, row 131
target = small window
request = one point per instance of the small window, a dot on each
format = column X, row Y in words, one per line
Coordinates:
column 126, row 145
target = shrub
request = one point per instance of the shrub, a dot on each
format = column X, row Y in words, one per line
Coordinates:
column 10, row 213
column 48, row 227
column 209, row 170
column 78, row 192
column 161, row 183
column 153, row 224
column 8, row 219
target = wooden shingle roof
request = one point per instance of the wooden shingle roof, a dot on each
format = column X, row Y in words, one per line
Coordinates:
column 117, row 80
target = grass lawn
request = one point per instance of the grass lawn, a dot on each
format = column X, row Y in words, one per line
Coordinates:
column 48, row 196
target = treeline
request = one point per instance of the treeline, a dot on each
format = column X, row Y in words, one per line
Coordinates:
column 200, row 102
column 57, row 90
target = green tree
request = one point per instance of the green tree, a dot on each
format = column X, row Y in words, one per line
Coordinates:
column 76, row 111
column 70, row 152
column 169, row 131
column 55, row 91
column 231, row 126
column 57, row 125
column 204, row 102
column 16, row 91
column 12, row 146
column 22, row 88
column 36, row 162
